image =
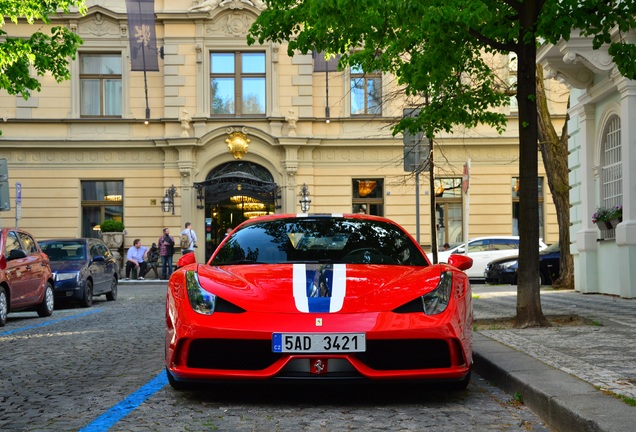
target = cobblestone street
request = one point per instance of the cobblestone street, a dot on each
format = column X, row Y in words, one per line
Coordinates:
column 102, row 369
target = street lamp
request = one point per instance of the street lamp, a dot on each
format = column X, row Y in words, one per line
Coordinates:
column 200, row 196
column 167, row 203
column 305, row 202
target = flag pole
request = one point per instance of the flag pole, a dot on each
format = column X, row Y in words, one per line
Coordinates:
column 143, row 59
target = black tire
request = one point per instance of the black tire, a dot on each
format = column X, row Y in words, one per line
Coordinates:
column 46, row 307
column 4, row 307
column 112, row 294
column 87, row 297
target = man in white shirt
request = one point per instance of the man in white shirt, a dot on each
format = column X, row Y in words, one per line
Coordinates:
column 191, row 237
column 136, row 259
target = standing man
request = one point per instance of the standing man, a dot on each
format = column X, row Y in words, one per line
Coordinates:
column 188, row 239
column 136, row 259
column 166, row 250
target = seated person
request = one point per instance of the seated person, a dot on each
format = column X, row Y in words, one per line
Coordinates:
column 153, row 260
column 136, row 259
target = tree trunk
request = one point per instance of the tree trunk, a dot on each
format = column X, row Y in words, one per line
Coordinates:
column 529, row 313
column 554, row 150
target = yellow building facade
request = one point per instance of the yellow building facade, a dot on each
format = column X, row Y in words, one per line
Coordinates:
column 230, row 131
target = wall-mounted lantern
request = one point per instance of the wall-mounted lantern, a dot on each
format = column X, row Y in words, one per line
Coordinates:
column 305, row 202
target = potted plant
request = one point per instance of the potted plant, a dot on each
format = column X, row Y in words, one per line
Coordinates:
column 616, row 215
column 602, row 217
column 112, row 233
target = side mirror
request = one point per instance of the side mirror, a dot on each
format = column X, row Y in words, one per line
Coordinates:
column 188, row 258
column 17, row 254
column 460, row 251
column 462, row 262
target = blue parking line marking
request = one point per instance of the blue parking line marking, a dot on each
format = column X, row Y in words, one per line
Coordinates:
column 123, row 408
column 48, row 323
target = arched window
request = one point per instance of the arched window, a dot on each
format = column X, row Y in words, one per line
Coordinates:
column 611, row 167
column 611, row 193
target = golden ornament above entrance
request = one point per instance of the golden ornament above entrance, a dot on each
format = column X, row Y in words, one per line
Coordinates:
column 237, row 143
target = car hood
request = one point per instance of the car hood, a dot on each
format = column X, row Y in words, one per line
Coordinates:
column 67, row 266
column 283, row 288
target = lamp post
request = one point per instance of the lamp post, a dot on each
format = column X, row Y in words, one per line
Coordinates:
column 167, row 203
column 305, row 202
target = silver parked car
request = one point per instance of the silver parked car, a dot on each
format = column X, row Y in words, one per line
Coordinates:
column 483, row 250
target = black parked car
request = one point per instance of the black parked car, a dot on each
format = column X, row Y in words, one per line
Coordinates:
column 504, row 270
column 82, row 268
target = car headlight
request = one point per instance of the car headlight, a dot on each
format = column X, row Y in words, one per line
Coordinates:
column 510, row 265
column 65, row 276
column 201, row 301
column 436, row 301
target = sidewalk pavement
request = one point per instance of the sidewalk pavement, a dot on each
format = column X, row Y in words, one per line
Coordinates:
column 564, row 374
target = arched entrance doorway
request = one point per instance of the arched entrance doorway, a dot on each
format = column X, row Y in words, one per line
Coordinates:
column 232, row 193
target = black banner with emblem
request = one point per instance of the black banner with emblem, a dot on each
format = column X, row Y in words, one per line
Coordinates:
column 142, row 35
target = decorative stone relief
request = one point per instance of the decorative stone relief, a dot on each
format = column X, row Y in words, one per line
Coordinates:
column 207, row 6
column 275, row 50
column 185, row 120
column 99, row 26
column 290, row 171
column 291, row 120
column 237, row 143
column 235, row 24
column 596, row 60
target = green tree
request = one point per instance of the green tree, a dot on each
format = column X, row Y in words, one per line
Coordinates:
column 437, row 48
column 41, row 52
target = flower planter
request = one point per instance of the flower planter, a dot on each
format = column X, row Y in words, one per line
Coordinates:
column 614, row 222
column 604, row 225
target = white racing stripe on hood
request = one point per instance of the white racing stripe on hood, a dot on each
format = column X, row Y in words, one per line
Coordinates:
column 338, row 288
column 300, row 287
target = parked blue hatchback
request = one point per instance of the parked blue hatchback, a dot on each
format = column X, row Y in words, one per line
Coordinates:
column 82, row 268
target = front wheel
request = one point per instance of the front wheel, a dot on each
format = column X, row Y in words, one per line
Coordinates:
column 112, row 295
column 46, row 307
column 4, row 307
column 87, row 298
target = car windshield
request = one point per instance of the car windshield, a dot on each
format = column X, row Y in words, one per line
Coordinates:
column 64, row 250
column 320, row 239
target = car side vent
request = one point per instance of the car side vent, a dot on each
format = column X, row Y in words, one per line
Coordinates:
column 413, row 306
column 225, row 306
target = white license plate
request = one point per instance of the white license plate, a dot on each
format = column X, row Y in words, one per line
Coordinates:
column 318, row 342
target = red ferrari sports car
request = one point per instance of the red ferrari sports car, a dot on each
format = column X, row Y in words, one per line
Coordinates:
column 319, row 297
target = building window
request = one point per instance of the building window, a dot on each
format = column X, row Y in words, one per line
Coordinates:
column 368, row 196
column 515, row 206
column 101, row 200
column 100, row 85
column 512, row 81
column 611, row 168
column 612, row 171
column 448, row 210
column 366, row 92
column 237, row 83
